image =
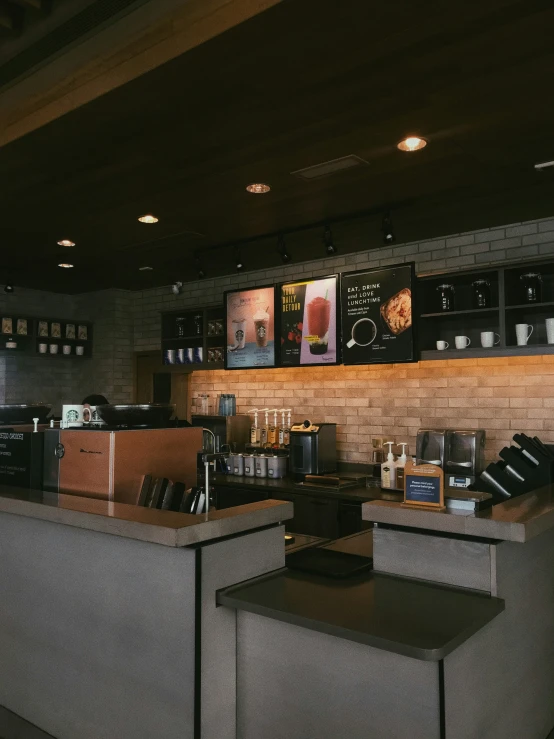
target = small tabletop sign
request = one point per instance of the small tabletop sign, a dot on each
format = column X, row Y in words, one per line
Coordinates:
column 424, row 486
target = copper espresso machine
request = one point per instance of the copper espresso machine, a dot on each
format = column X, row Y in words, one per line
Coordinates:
column 109, row 464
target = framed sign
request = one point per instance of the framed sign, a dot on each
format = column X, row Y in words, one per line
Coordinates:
column 377, row 315
column 250, row 326
column 424, row 486
column 308, row 322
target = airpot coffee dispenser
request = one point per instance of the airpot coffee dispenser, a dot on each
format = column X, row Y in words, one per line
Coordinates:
column 313, row 448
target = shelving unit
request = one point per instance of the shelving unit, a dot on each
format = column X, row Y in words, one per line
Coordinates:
column 507, row 310
column 30, row 342
column 203, row 333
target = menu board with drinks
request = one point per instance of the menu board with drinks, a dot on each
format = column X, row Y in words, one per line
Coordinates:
column 377, row 309
column 308, row 322
column 250, row 325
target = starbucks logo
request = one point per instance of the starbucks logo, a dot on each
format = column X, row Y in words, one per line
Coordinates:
column 240, row 335
column 261, row 332
column 72, row 416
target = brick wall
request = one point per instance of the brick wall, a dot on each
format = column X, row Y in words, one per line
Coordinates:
column 501, row 395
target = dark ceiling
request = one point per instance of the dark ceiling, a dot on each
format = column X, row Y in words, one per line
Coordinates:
column 302, row 83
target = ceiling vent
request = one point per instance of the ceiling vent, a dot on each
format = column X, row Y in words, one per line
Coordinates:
column 331, row 167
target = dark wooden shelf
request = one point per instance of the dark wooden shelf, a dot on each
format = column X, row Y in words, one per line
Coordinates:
column 548, row 304
column 470, row 311
column 196, row 337
column 480, row 352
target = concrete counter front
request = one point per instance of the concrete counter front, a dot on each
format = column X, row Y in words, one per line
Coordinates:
column 108, row 618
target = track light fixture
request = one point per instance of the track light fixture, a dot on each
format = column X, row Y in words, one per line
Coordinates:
column 386, row 227
column 177, row 288
column 199, row 269
column 330, row 248
column 9, row 287
column 282, row 249
column 239, row 264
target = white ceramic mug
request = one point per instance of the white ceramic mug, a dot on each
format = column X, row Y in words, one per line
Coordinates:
column 442, row 345
column 523, row 332
column 54, row 348
column 66, row 349
column 91, row 415
column 42, row 348
column 72, row 415
column 550, row 330
column 79, row 350
column 462, row 342
column 488, row 339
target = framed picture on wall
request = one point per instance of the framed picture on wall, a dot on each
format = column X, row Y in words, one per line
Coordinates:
column 377, row 315
column 250, row 327
column 309, row 322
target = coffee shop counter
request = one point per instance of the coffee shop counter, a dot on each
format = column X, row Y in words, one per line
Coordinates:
column 109, row 625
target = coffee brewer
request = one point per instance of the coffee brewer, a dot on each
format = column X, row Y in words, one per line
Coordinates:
column 460, row 453
column 313, row 448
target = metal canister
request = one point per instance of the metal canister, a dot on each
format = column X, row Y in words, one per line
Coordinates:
column 261, row 465
column 238, row 464
column 249, row 465
column 277, row 467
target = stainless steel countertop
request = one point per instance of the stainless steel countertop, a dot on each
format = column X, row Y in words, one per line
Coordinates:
column 143, row 524
column 518, row 519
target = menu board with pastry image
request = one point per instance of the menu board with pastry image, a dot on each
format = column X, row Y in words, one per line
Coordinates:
column 378, row 315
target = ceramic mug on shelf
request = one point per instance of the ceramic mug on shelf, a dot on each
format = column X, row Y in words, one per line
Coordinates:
column 79, row 350
column 550, row 330
column 42, row 348
column 462, row 342
column 523, row 332
column 488, row 339
column 54, row 348
column 66, row 349
column 442, row 345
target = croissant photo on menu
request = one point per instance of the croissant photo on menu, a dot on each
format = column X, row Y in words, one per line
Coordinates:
column 397, row 311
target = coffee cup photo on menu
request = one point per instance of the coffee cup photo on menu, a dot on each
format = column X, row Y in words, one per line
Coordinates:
column 308, row 322
column 377, row 315
column 250, row 328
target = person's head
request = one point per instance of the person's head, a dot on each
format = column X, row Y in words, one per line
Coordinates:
column 91, row 400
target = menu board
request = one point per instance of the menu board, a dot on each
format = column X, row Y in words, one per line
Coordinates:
column 377, row 307
column 250, row 322
column 308, row 322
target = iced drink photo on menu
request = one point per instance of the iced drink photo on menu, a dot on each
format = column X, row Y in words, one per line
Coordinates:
column 261, row 324
column 239, row 332
column 319, row 315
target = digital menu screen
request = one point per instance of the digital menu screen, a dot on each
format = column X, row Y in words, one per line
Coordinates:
column 377, row 315
column 250, row 325
column 308, row 322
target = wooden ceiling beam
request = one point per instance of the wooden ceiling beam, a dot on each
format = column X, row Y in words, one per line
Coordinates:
column 36, row 4
column 11, row 16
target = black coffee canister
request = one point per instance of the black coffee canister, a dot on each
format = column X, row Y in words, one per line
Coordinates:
column 481, row 294
column 446, row 297
column 532, row 287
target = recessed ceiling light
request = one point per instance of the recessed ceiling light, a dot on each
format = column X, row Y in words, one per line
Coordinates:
column 258, row 188
column 66, row 242
column 148, row 219
column 412, row 143
column 145, row 269
column 65, row 265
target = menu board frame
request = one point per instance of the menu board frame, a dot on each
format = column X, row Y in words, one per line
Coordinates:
column 273, row 300
column 374, row 315
column 282, row 323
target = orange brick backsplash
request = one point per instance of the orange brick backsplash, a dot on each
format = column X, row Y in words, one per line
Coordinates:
column 501, row 395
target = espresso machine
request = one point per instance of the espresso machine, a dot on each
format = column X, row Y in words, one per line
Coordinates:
column 313, row 448
column 460, row 453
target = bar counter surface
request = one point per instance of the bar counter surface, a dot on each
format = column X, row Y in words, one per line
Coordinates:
column 136, row 522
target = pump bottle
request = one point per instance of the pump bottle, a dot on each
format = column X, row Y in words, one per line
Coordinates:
column 388, row 469
column 254, row 429
column 400, row 464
